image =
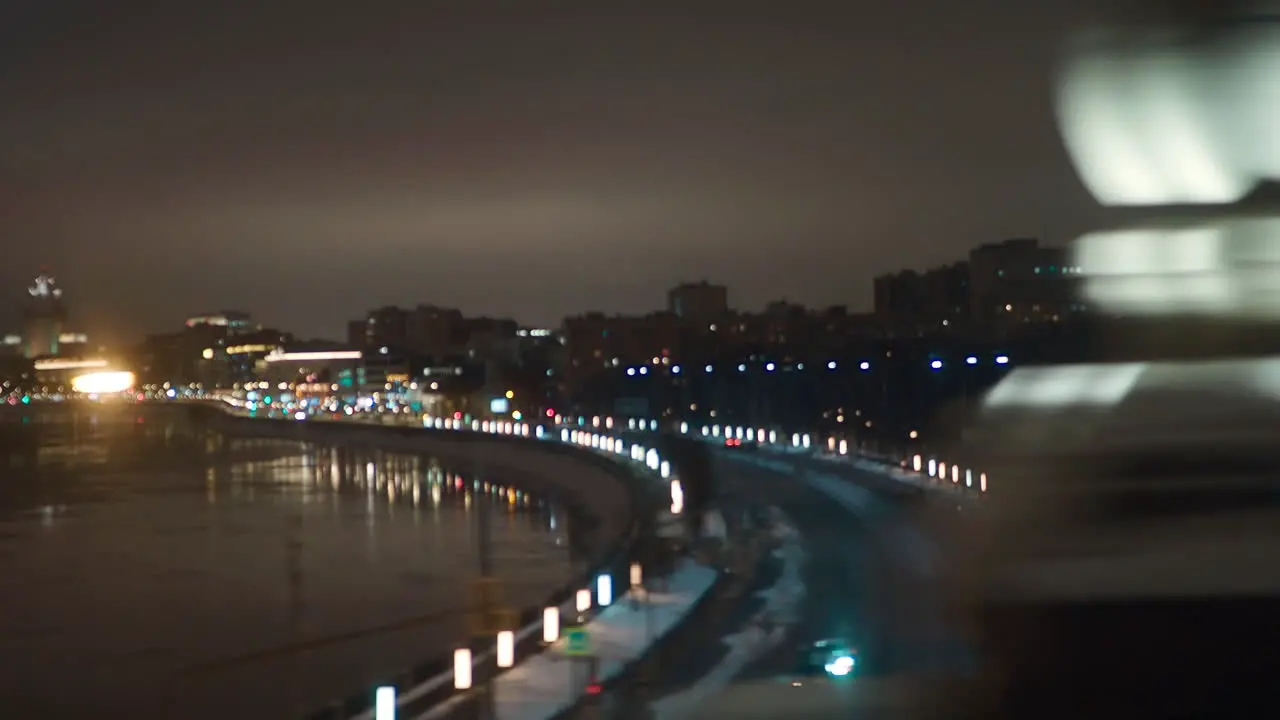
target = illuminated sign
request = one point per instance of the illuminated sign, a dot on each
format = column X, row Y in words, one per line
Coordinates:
column 12, row 339
column 278, row 356
column 55, row 364
column 499, row 406
column 247, row 349
column 73, row 338
column 218, row 321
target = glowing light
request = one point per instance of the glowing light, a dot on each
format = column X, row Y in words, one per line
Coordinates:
column 55, row 364
column 604, row 590
column 550, row 624
column 278, row 356
column 102, row 383
column 384, row 703
column 462, row 668
column 841, row 666
column 506, row 649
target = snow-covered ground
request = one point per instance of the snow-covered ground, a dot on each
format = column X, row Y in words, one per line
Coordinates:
column 764, row 632
column 549, row 683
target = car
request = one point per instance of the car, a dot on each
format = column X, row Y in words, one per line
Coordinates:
column 826, row 658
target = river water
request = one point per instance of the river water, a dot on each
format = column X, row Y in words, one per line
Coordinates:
column 151, row 568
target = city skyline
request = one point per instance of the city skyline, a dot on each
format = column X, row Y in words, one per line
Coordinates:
column 354, row 160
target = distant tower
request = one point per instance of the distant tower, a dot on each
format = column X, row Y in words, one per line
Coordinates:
column 44, row 317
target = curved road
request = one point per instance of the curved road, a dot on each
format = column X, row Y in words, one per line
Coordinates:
column 871, row 574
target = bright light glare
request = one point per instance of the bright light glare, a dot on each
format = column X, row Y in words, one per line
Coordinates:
column 506, row 649
column 604, row 590
column 1121, row 112
column 462, row 668
column 550, row 624
column 840, row 666
column 384, row 703
column 102, row 383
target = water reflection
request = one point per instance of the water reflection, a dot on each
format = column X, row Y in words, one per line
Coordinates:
column 146, row 545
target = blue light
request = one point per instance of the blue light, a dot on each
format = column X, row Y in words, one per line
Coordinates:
column 936, row 364
column 971, row 360
column 675, row 369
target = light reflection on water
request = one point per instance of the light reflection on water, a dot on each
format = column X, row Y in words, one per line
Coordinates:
column 157, row 547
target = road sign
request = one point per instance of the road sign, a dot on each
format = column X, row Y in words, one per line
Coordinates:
column 577, row 641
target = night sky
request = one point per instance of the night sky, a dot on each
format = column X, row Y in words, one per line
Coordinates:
column 307, row 161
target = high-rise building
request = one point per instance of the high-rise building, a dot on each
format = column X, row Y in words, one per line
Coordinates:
column 1020, row 281
column 44, row 317
column 924, row 301
column 698, row 301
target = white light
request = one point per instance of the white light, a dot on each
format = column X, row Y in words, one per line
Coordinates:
column 1121, row 110
column 384, row 703
column 707, row 368
column 583, row 600
column 462, row 668
column 637, row 575
column 1002, row 359
column 936, row 364
column 103, row 383
column 831, row 365
column 604, row 590
column 971, row 360
column 684, row 428
column 278, row 356
column 769, row 367
column 1101, row 385
column 550, row 624
column 506, row 650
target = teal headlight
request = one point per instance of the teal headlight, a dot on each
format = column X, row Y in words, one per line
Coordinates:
column 840, row 666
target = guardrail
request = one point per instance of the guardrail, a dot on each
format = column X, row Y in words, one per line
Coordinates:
column 433, row 684
column 920, row 468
